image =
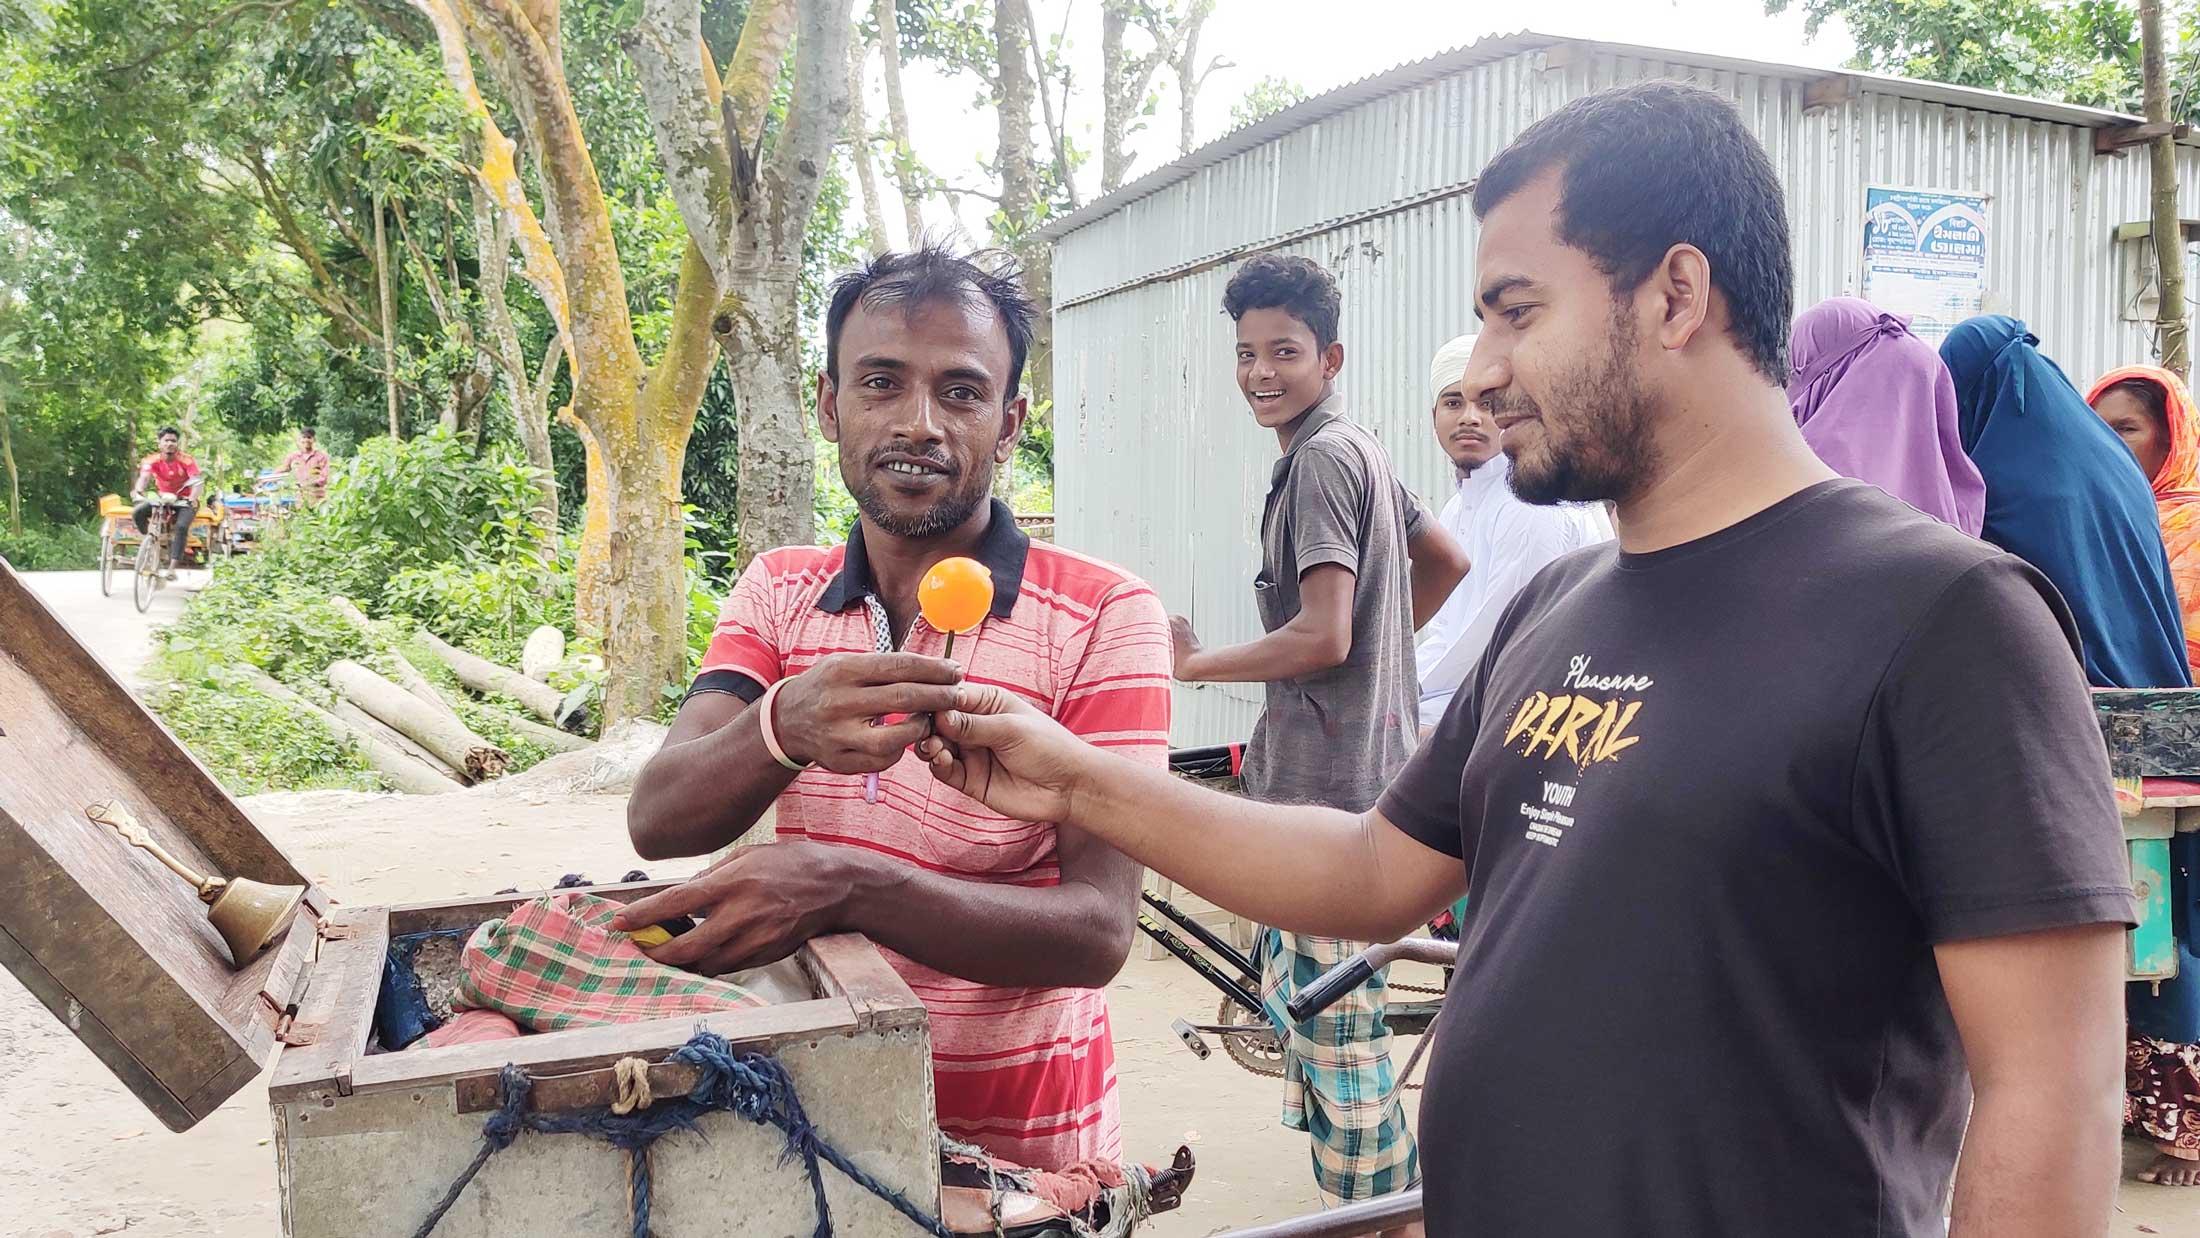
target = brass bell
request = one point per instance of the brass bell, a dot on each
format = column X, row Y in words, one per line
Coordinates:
column 250, row 915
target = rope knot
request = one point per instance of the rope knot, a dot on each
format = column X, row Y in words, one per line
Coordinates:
column 632, row 1074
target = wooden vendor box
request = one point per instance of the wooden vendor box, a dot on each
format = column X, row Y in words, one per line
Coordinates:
column 122, row 951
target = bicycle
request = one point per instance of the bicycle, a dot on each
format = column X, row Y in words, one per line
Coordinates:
column 153, row 561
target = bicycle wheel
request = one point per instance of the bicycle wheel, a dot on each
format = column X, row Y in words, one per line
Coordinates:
column 147, row 576
column 107, row 562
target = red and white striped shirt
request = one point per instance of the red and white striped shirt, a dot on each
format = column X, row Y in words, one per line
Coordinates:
column 1026, row 1073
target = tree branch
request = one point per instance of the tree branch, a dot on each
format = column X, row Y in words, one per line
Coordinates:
column 666, row 46
column 214, row 21
column 816, row 115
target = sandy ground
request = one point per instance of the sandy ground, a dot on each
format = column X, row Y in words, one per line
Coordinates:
column 79, row 1157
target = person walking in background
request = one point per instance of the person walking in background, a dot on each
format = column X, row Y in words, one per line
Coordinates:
column 308, row 468
column 2061, row 494
column 1351, row 564
column 1506, row 540
column 1876, row 403
column 2150, row 409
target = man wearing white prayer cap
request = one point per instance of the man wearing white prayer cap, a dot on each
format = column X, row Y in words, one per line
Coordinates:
column 1506, row 540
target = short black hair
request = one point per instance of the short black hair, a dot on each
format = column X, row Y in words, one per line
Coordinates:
column 165, row 431
column 1298, row 286
column 2150, row 396
column 931, row 273
column 1646, row 167
column 306, row 431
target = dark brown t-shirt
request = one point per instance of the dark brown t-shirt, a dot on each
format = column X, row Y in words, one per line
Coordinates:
column 1719, row 803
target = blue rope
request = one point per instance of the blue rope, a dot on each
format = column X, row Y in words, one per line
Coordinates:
column 753, row 1085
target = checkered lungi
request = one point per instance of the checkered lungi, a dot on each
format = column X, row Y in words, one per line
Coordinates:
column 555, row 962
column 1338, row 1080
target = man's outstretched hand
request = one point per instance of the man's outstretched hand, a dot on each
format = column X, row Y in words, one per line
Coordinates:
column 757, row 906
column 997, row 749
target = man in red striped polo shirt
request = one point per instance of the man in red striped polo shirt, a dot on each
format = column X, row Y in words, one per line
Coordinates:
column 1005, row 929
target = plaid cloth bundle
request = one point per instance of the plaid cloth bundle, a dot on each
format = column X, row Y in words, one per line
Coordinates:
column 556, row 963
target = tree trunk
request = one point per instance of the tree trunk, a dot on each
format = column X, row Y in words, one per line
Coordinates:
column 778, row 468
column 1115, row 106
column 433, row 730
column 897, row 124
column 2172, row 323
column 405, row 771
column 592, row 574
column 1020, row 187
column 485, row 676
column 7, row 460
column 365, row 723
column 859, row 150
column 389, row 326
column 1189, row 76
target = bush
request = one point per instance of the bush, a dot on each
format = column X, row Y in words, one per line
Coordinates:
column 255, row 743
column 489, row 609
column 61, row 548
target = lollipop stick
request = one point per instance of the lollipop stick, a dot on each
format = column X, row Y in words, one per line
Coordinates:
column 951, row 646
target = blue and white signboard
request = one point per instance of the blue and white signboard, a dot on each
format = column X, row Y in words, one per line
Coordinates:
column 1925, row 256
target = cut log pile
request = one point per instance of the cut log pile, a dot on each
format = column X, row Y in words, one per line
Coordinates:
column 410, row 732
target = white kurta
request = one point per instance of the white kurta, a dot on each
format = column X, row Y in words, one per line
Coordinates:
column 1507, row 543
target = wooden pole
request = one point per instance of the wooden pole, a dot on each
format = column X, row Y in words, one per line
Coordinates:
column 389, row 319
column 482, row 675
column 2171, row 318
column 436, row 731
column 406, row 772
column 548, row 736
column 408, row 676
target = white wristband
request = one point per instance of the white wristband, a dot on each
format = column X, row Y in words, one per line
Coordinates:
column 764, row 706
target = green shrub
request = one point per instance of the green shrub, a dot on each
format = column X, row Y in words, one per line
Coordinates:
column 489, row 608
column 255, row 743
column 60, row 548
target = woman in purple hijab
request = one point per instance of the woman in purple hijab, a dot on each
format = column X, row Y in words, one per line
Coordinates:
column 1876, row 403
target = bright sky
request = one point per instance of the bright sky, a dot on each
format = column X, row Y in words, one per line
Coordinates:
column 1315, row 44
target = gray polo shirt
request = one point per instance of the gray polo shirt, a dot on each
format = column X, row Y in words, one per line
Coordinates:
column 1336, row 737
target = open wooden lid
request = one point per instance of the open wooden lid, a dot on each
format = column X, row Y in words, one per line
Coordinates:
column 118, row 947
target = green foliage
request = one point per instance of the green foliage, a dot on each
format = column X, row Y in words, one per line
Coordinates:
column 413, row 505
column 61, row 548
column 1267, row 97
column 489, row 607
column 260, row 610
column 255, row 743
column 2077, row 51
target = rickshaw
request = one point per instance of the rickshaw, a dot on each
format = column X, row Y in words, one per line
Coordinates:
column 144, row 556
column 250, row 520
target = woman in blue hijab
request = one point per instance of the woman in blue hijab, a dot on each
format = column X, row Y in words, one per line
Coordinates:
column 2064, row 494
column 2073, row 502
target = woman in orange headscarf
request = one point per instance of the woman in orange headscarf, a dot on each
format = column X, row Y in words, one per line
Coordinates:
column 2154, row 414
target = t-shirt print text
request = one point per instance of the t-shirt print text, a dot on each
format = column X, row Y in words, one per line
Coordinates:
column 1590, row 718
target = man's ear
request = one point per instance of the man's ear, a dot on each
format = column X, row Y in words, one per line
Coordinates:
column 828, row 408
column 1012, row 428
column 1333, row 359
column 1680, row 288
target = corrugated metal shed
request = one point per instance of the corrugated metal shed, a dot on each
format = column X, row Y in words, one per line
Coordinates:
column 1158, row 465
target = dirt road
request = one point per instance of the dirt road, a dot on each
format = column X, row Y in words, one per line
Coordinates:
column 79, row 1157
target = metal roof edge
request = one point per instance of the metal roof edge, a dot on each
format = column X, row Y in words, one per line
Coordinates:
column 1495, row 47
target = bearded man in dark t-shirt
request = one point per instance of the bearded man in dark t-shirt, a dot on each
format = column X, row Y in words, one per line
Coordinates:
column 1788, row 827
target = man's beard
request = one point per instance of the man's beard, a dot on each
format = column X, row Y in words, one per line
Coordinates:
column 1602, row 449
column 948, row 513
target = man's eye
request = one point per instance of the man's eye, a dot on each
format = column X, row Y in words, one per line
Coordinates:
column 1285, row 354
column 962, row 395
column 1515, row 313
column 877, row 382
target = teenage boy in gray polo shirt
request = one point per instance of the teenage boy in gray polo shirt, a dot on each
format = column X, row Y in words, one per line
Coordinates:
column 1339, row 601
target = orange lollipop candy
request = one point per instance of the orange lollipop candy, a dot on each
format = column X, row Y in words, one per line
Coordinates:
column 955, row 596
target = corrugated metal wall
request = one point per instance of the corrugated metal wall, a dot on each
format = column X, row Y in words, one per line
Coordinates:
column 1159, row 466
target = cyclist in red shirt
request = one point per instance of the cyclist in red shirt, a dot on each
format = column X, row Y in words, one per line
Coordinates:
column 168, row 472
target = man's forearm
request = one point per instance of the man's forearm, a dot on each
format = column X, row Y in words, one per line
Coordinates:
column 1297, row 867
column 2041, row 1164
column 701, row 794
column 1072, row 935
column 1289, row 652
column 1434, row 581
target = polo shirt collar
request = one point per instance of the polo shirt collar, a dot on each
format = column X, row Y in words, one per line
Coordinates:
column 1330, row 409
column 1002, row 551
